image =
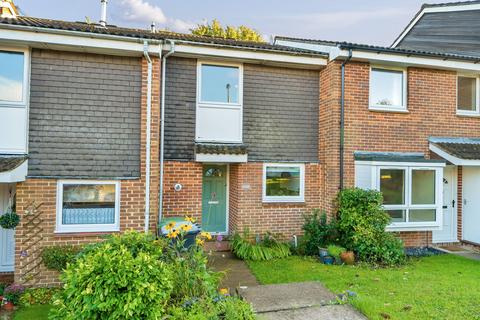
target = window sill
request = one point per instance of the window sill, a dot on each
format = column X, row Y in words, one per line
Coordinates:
column 385, row 109
column 83, row 233
column 468, row 114
column 283, row 202
column 86, row 231
column 412, row 227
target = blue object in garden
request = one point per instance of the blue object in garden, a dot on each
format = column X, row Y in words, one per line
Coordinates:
column 322, row 252
column 328, row 260
column 179, row 221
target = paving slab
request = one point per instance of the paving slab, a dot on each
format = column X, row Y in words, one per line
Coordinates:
column 279, row 297
column 470, row 255
column 330, row 312
column 237, row 273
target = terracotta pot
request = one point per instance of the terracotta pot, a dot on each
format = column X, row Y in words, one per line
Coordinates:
column 9, row 306
column 348, row 257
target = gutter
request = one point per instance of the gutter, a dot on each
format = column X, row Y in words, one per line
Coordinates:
column 162, row 127
column 342, row 119
column 148, row 142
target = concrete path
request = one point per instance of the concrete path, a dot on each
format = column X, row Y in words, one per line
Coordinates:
column 461, row 250
column 299, row 301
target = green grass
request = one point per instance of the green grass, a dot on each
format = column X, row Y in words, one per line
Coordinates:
column 438, row 287
column 38, row 312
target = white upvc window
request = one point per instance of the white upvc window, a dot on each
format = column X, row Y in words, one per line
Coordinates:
column 283, row 182
column 412, row 192
column 88, row 206
column 388, row 89
column 468, row 95
column 14, row 93
column 219, row 115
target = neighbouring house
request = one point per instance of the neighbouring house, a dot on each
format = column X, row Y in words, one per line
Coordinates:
column 105, row 129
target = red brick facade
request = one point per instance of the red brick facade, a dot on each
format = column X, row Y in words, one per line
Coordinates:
column 36, row 203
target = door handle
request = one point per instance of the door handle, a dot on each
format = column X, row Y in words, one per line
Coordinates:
column 453, row 203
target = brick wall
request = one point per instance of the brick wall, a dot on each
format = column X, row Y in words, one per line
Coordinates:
column 36, row 203
column 431, row 112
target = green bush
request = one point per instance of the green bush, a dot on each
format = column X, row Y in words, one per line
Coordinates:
column 35, row 296
column 318, row 232
column 268, row 249
column 123, row 277
column 57, row 257
column 335, row 251
column 219, row 308
column 362, row 222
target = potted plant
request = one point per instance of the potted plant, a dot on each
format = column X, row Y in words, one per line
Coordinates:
column 328, row 260
column 322, row 252
column 9, row 220
column 335, row 252
column 12, row 294
column 348, row 257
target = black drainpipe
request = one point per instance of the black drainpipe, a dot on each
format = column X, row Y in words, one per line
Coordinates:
column 342, row 119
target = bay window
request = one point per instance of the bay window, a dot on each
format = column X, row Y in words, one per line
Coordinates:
column 219, row 102
column 88, row 206
column 283, row 182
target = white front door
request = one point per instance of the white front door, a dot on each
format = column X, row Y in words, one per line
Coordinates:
column 449, row 228
column 7, row 237
column 471, row 204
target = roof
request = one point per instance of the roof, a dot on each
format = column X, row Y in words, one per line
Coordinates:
column 393, row 157
column 450, row 4
column 216, row 148
column 112, row 30
column 380, row 49
column 463, row 148
column 10, row 162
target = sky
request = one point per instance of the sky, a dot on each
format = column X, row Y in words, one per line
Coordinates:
column 361, row 21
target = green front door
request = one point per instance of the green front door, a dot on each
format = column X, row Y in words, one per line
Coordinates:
column 214, row 199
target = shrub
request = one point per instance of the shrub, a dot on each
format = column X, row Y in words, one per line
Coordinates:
column 2, row 288
column 318, row 232
column 335, row 251
column 57, row 257
column 362, row 222
column 267, row 249
column 123, row 277
column 13, row 292
column 218, row 308
column 38, row 296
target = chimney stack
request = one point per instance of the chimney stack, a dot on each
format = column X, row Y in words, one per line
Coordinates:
column 153, row 27
column 103, row 17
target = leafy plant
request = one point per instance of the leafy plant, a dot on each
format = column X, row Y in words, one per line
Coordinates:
column 218, row 308
column 57, row 257
column 35, row 296
column 123, row 277
column 215, row 29
column 13, row 292
column 267, row 249
column 9, row 220
column 335, row 251
column 362, row 223
column 2, row 288
column 318, row 232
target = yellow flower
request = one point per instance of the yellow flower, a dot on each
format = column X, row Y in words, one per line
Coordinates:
column 223, row 291
column 200, row 242
column 206, row 235
column 189, row 219
column 172, row 235
column 170, row 226
column 186, row 227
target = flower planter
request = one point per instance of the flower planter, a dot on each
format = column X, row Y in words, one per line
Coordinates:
column 9, row 306
column 322, row 252
column 328, row 260
column 348, row 257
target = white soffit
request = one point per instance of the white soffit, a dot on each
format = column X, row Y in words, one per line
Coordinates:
column 15, row 175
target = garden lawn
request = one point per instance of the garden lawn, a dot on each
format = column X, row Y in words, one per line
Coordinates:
column 38, row 312
column 437, row 287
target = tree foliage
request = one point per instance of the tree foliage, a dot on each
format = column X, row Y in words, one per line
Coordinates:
column 215, row 29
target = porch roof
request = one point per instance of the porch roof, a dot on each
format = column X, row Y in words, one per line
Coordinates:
column 394, row 157
column 13, row 168
column 459, row 151
column 10, row 162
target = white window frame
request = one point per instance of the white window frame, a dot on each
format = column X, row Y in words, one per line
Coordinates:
column 26, row 78
column 289, row 199
column 62, row 228
column 475, row 112
column 216, row 105
column 377, row 107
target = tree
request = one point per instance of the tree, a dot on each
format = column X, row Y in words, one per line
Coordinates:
column 215, row 29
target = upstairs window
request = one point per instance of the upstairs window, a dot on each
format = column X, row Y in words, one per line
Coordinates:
column 12, row 77
column 87, row 206
column 388, row 89
column 219, row 102
column 467, row 95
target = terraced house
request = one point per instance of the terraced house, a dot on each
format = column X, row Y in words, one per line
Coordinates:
column 104, row 129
